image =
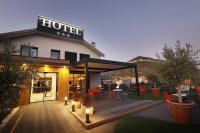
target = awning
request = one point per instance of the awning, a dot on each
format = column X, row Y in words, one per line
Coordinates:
column 100, row 65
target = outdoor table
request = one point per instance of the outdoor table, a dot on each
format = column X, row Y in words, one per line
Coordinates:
column 183, row 95
column 118, row 91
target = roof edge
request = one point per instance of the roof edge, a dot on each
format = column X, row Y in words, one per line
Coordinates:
column 25, row 32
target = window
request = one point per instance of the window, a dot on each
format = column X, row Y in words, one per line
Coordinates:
column 84, row 56
column 71, row 56
column 55, row 54
column 29, row 51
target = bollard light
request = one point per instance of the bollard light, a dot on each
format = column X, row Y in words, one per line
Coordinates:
column 73, row 106
column 66, row 100
column 87, row 111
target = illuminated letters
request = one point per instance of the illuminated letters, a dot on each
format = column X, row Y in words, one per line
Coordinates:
column 58, row 28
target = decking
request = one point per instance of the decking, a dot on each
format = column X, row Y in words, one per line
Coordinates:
column 107, row 110
column 48, row 117
column 54, row 117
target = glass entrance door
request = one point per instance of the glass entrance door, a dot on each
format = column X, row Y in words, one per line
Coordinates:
column 43, row 87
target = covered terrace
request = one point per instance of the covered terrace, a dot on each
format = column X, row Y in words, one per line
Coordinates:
column 89, row 65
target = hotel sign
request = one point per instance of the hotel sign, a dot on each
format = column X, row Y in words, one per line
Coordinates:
column 59, row 28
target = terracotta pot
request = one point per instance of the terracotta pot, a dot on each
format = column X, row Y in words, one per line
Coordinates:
column 181, row 112
column 155, row 91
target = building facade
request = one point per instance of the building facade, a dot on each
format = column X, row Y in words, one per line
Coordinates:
column 64, row 59
column 56, row 51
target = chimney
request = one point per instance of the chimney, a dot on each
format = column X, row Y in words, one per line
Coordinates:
column 93, row 43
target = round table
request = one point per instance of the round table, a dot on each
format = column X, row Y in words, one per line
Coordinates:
column 118, row 91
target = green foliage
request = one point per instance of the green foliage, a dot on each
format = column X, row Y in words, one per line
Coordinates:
column 13, row 74
column 180, row 64
column 153, row 79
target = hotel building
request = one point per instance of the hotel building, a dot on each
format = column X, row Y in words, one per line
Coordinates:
column 63, row 57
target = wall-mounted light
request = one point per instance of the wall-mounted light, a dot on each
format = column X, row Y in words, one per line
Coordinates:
column 73, row 106
column 66, row 100
column 87, row 112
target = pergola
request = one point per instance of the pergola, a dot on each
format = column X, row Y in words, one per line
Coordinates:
column 99, row 65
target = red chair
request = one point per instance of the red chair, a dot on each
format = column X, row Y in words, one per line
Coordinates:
column 98, row 90
column 142, row 89
column 91, row 92
column 166, row 96
column 198, row 91
column 112, row 94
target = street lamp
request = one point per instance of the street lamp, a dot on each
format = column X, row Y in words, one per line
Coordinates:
column 87, row 111
column 66, row 100
column 73, row 106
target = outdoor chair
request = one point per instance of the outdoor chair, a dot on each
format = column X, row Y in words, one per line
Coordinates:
column 198, row 91
column 124, row 94
column 166, row 96
column 112, row 94
column 98, row 90
column 142, row 89
column 91, row 92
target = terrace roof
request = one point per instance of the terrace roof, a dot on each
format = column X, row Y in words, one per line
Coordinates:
column 100, row 65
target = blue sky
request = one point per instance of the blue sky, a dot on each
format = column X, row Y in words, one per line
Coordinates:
column 122, row 29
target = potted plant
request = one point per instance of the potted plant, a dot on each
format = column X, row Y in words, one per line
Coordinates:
column 87, row 102
column 179, row 64
column 154, row 79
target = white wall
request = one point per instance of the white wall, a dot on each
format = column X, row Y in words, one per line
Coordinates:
column 45, row 44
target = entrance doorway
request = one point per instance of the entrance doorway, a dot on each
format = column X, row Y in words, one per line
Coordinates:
column 43, row 87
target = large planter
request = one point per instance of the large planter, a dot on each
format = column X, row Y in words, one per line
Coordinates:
column 181, row 112
column 155, row 92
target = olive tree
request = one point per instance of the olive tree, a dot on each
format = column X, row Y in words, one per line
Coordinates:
column 180, row 64
column 14, row 74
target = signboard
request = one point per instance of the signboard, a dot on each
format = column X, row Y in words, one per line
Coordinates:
column 59, row 28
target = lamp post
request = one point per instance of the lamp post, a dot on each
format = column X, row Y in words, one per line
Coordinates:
column 73, row 106
column 66, row 100
column 87, row 111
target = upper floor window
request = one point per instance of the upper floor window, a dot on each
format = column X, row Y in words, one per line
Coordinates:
column 84, row 56
column 29, row 51
column 55, row 54
column 71, row 56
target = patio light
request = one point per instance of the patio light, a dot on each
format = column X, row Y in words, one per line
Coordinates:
column 66, row 100
column 73, row 106
column 87, row 111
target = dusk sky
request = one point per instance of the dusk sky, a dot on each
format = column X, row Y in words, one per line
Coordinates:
column 122, row 29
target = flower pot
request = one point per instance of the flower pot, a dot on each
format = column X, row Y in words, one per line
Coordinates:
column 155, row 92
column 181, row 112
